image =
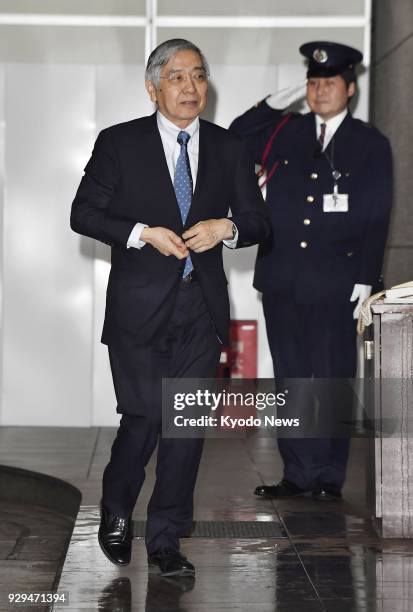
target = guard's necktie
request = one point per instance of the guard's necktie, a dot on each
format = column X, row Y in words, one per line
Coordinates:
column 322, row 135
column 183, row 187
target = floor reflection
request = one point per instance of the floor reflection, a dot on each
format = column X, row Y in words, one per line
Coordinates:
column 165, row 593
column 162, row 593
column 116, row 596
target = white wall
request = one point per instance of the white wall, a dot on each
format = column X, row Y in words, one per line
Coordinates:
column 58, row 88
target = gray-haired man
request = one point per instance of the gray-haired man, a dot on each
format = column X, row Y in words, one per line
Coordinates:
column 158, row 190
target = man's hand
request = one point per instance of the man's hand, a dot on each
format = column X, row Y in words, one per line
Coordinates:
column 360, row 293
column 288, row 96
column 165, row 241
column 206, row 234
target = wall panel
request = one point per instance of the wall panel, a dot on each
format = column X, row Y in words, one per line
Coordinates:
column 47, row 271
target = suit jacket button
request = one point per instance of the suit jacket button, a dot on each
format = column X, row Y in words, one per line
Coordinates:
column 310, row 199
column 303, row 244
column 350, row 254
column 286, row 162
column 307, row 221
column 314, row 176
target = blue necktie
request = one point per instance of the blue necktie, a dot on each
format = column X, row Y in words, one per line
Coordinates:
column 183, row 187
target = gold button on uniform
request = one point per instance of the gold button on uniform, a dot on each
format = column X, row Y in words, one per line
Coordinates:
column 286, row 162
column 306, row 221
column 310, row 199
column 314, row 176
column 303, row 244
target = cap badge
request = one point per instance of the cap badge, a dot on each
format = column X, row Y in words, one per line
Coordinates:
column 320, row 56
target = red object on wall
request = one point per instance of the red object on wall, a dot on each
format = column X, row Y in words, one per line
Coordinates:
column 243, row 349
column 239, row 360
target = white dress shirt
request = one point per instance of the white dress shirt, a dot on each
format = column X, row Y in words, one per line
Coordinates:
column 169, row 136
column 332, row 126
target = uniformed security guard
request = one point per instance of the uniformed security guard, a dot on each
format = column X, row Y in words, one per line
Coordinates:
column 329, row 188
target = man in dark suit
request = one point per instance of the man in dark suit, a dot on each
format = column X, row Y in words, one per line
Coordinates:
column 158, row 190
column 329, row 192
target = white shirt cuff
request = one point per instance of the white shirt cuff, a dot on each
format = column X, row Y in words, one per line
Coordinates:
column 231, row 244
column 135, row 235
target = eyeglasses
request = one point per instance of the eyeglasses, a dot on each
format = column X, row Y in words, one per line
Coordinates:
column 177, row 77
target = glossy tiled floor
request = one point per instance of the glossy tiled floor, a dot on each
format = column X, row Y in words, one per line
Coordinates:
column 32, row 542
column 328, row 560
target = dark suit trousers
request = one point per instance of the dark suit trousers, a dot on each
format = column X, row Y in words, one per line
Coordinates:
column 313, row 340
column 187, row 348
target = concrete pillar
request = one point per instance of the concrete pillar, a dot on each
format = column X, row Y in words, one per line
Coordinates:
column 391, row 101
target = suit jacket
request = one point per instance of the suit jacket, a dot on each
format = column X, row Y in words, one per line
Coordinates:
column 312, row 255
column 127, row 180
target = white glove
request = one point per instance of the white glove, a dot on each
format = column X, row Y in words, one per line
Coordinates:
column 360, row 293
column 285, row 97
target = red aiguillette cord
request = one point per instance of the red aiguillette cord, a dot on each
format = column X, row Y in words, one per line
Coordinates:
column 267, row 150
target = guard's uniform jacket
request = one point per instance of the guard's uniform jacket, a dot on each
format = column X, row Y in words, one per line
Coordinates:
column 317, row 256
column 308, row 267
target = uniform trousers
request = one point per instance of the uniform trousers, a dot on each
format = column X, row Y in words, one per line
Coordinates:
column 187, row 347
column 313, row 341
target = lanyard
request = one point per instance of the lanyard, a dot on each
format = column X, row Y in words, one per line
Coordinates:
column 334, row 173
column 336, row 177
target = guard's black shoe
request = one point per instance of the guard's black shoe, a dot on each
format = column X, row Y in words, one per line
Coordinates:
column 170, row 562
column 326, row 494
column 281, row 490
column 115, row 537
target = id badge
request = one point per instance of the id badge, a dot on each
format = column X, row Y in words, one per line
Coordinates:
column 335, row 202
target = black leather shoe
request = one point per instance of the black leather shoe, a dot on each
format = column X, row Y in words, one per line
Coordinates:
column 170, row 562
column 115, row 537
column 326, row 494
column 282, row 489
